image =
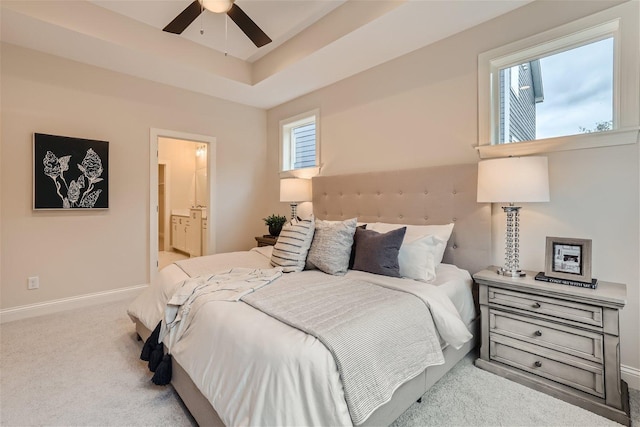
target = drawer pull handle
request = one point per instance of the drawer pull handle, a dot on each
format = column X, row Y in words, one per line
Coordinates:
column 538, row 364
column 536, row 305
column 538, row 333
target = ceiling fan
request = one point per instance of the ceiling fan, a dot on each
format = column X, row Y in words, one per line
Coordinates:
column 242, row 20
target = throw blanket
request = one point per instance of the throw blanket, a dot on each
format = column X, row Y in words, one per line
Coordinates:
column 380, row 338
column 230, row 285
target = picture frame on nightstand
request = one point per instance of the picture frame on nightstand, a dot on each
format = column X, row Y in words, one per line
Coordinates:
column 568, row 259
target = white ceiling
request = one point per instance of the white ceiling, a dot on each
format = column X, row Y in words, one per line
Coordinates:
column 315, row 42
column 280, row 20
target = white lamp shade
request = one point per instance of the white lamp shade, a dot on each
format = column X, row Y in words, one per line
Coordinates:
column 295, row 190
column 217, row 6
column 513, row 179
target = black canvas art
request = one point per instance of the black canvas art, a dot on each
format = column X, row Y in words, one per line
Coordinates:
column 70, row 173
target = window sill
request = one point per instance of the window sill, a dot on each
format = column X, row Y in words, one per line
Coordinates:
column 563, row 143
column 301, row 173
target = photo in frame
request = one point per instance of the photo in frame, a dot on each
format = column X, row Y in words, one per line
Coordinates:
column 568, row 259
column 70, row 173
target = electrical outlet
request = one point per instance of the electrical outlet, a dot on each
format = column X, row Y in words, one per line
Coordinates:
column 34, row 282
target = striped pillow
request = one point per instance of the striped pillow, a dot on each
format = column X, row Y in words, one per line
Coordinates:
column 290, row 251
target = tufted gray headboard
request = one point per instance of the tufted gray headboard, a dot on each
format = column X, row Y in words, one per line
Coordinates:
column 435, row 195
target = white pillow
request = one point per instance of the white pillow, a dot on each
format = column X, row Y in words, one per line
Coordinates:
column 331, row 246
column 417, row 258
column 290, row 251
column 443, row 232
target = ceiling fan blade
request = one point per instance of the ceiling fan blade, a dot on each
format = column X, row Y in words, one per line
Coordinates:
column 257, row 36
column 186, row 17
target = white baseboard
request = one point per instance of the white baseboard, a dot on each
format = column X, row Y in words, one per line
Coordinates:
column 631, row 376
column 56, row 306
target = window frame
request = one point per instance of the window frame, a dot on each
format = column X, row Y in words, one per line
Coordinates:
column 288, row 150
column 616, row 22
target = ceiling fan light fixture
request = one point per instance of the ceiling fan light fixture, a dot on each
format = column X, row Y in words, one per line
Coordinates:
column 233, row 11
column 217, row 6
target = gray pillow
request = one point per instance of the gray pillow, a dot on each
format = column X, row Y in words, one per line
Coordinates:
column 352, row 257
column 378, row 252
column 331, row 246
column 290, row 251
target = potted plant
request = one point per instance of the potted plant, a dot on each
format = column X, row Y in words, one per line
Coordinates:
column 275, row 223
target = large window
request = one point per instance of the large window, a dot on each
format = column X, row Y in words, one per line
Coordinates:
column 299, row 142
column 572, row 87
column 565, row 93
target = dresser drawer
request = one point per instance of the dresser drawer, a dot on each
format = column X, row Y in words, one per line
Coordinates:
column 573, row 341
column 557, row 339
column 562, row 309
column 587, row 377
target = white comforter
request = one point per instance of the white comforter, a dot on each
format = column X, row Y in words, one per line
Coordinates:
column 256, row 370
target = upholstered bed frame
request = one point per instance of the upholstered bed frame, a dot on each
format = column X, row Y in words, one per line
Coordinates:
column 436, row 195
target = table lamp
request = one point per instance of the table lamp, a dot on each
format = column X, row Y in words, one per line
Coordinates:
column 513, row 180
column 294, row 191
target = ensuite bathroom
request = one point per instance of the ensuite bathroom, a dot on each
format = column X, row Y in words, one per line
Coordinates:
column 182, row 200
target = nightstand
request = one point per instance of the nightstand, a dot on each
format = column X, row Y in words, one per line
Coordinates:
column 558, row 339
column 266, row 240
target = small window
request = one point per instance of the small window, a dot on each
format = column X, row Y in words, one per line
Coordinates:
column 299, row 136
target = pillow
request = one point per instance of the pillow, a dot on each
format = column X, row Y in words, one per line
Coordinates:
column 378, row 252
column 290, row 251
column 417, row 258
column 331, row 246
column 443, row 232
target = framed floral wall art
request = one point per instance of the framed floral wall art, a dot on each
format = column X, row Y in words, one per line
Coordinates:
column 70, row 173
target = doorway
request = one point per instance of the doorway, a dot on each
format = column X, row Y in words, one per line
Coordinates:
column 162, row 206
column 174, row 190
column 166, row 254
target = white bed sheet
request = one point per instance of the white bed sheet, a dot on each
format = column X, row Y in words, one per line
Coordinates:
column 261, row 371
column 256, row 370
column 149, row 306
column 458, row 285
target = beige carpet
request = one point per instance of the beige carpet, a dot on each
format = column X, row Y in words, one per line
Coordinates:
column 81, row 368
column 469, row 396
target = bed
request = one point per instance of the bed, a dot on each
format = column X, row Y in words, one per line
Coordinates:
column 247, row 392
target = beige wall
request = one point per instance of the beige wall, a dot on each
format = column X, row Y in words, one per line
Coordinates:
column 82, row 252
column 421, row 110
